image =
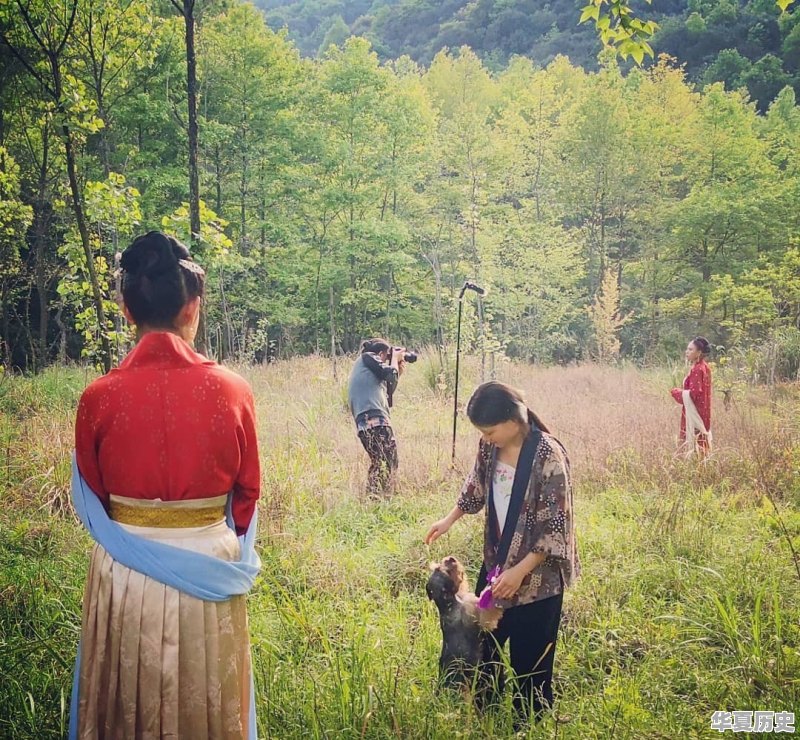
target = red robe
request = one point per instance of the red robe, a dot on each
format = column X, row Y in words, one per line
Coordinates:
column 698, row 383
column 170, row 424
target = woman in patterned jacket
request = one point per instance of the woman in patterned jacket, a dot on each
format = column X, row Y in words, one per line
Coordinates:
column 521, row 478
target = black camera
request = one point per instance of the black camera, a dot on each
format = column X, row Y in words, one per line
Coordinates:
column 408, row 356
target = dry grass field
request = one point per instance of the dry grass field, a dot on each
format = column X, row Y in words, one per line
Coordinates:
column 689, row 601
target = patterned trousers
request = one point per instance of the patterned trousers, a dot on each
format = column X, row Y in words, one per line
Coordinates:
column 381, row 446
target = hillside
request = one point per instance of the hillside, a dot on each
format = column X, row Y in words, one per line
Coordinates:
column 744, row 43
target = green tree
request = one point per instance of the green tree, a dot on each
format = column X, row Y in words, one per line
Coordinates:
column 39, row 40
column 15, row 218
column 338, row 32
column 599, row 180
column 765, row 79
column 730, row 68
column 666, row 114
column 723, row 222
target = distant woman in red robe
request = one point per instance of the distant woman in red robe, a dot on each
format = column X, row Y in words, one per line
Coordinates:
column 695, row 398
column 162, row 440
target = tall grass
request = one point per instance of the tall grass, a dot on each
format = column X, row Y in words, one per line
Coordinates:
column 689, row 600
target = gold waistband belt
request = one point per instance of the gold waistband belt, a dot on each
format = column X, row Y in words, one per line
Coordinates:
column 140, row 516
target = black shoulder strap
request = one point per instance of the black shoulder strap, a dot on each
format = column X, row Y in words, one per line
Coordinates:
column 519, row 488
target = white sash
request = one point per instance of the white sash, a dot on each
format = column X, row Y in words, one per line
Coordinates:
column 694, row 425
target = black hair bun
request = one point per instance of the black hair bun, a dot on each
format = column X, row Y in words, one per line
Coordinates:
column 158, row 277
column 151, row 255
column 702, row 344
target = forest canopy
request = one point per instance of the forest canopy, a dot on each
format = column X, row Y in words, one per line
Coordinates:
column 610, row 211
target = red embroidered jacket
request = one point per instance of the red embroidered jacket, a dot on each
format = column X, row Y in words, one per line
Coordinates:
column 698, row 383
column 170, row 424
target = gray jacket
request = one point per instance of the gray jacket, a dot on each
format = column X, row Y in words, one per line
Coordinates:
column 371, row 384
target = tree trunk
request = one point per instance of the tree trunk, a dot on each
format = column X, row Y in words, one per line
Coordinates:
column 243, row 187
column 5, row 323
column 40, row 277
column 316, row 301
column 333, row 336
column 262, row 214
column 105, row 144
column 482, row 339
column 106, row 150
column 654, row 329
column 706, row 273
column 539, row 159
column 80, row 219
column 438, row 311
column 226, row 331
column 191, row 92
column 39, row 248
column 218, row 184
column 62, row 329
column 83, row 229
column 388, row 315
column 187, row 10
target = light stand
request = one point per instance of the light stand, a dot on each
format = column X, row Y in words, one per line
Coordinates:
column 480, row 291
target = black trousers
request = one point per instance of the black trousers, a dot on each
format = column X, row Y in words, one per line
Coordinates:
column 531, row 631
column 381, row 446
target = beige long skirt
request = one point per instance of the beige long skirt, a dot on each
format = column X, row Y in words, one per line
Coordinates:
column 157, row 663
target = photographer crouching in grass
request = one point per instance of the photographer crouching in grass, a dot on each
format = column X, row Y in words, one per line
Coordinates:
column 372, row 383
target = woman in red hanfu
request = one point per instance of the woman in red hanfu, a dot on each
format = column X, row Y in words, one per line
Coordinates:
column 162, row 441
column 695, row 397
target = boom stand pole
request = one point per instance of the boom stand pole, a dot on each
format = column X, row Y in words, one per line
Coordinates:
column 458, row 357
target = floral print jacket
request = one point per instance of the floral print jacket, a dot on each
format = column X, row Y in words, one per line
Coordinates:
column 546, row 522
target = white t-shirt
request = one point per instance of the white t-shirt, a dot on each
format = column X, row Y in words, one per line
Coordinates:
column 502, row 484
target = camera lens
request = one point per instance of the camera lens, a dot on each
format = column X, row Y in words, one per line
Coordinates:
column 410, row 357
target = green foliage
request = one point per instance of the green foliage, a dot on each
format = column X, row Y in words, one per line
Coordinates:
column 212, row 239
column 729, row 67
column 694, row 32
column 346, row 196
column 619, row 28
column 113, row 207
column 336, row 35
column 76, row 292
column 112, row 210
column 15, row 217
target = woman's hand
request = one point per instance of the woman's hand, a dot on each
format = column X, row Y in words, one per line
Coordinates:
column 437, row 530
column 508, row 582
column 398, row 355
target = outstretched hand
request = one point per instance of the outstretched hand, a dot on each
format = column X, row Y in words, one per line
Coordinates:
column 437, row 530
